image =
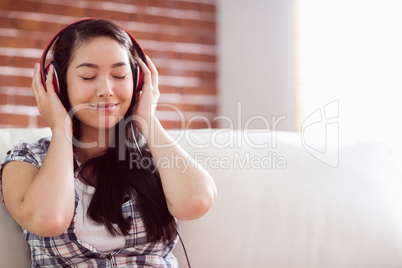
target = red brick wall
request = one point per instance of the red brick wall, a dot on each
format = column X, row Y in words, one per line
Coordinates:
column 179, row 35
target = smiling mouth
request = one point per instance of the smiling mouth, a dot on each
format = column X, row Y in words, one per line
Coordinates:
column 106, row 107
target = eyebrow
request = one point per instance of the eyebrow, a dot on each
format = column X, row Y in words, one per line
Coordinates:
column 91, row 65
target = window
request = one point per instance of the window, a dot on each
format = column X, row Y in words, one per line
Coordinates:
column 350, row 51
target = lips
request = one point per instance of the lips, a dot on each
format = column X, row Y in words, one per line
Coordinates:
column 105, row 107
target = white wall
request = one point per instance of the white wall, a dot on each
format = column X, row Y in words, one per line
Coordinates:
column 255, row 50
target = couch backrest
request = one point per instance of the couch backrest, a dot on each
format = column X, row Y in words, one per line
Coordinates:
column 295, row 203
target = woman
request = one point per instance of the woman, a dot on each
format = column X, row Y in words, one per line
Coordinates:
column 85, row 196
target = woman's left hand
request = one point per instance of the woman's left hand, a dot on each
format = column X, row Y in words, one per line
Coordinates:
column 144, row 111
column 189, row 189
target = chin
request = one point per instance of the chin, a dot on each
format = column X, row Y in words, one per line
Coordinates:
column 110, row 122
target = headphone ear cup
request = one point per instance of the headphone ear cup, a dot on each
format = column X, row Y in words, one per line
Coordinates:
column 138, row 77
column 56, row 83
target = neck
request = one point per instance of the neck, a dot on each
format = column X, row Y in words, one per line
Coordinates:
column 92, row 143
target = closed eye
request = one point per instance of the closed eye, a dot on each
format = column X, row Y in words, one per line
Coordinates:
column 88, row 78
column 120, row 77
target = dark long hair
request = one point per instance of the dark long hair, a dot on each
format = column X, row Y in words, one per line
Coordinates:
column 114, row 177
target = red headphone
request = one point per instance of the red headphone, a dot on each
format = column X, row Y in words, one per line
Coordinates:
column 138, row 75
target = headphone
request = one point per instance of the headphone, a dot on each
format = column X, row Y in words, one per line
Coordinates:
column 138, row 75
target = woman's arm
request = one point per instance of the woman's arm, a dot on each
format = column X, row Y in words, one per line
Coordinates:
column 42, row 201
column 189, row 189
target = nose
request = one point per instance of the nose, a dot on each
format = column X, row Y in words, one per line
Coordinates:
column 105, row 88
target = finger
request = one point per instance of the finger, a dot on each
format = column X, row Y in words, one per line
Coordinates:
column 37, row 85
column 49, row 80
column 145, row 70
column 154, row 73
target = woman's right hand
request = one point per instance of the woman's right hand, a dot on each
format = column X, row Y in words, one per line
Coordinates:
column 48, row 102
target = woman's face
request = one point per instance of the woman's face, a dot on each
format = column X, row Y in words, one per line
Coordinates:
column 100, row 83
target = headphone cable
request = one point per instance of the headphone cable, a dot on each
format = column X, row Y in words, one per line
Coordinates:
column 184, row 249
column 177, row 231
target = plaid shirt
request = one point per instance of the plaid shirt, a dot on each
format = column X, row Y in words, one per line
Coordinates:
column 67, row 251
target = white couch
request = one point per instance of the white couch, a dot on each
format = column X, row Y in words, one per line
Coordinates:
column 277, row 206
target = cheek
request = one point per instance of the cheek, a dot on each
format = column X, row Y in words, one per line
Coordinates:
column 126, row 91
column 129, row 94
column 79, row 92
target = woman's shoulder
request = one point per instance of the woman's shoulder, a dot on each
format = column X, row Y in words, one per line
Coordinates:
column 38, row 147
column 42, row 143
column 34, row 152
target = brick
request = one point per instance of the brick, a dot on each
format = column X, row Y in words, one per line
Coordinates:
column 204, row 89
column 207, row 36
column 17, row 61
column 5, row 60
column 164, row 54
column 14, row 119
column 154, row 3
column 24, row 100
column 190, row 38
column 208, row 8
column 25, row 62
column 170, row 124
column 43, row 39
column 19, row 42
column 145, row 18
column 201, row 90
column 5, row 22
column 200, row 124
column 3, row 99
column 187, row 107
column 15, row 81
column 209, row 76
column 178, row 5
column 203, row 7
column 211, row 25
column 198, row 57
column 182, row 5
column 139, row 35
column 107, row 14
column 168, row 89
column 136, row 2
column 34, row 25
column 188, row 125
column 17, row 5
column 60, row 9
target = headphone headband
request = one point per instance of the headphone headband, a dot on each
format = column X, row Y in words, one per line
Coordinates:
column 138, row 49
